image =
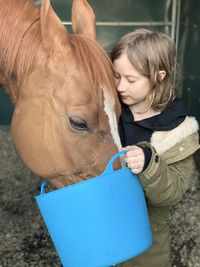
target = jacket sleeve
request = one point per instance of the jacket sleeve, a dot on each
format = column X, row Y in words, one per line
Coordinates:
column 164, row 184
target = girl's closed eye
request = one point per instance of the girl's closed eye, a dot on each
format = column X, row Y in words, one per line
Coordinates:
column 131, row 81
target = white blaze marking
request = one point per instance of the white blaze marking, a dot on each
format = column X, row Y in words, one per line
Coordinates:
column 108, row 108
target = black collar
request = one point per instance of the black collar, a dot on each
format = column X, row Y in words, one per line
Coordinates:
column 168, row 119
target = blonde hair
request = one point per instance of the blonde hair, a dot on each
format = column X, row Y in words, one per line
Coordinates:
column 150, row 52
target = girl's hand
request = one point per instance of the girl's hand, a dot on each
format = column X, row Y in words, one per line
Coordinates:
column 134, row 158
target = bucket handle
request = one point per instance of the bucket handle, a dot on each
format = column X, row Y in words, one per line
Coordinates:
column 43, row 187
column 109, row 166
column 108, row 169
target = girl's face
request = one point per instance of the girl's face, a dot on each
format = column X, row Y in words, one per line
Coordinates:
column 131, row 85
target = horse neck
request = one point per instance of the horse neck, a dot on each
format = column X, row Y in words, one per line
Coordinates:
column 16, row 18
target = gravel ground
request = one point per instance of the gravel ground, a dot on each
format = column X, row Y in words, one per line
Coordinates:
column 24, row 241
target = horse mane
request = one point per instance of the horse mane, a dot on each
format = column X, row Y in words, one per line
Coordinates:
column 95, row 63
column 16, row 18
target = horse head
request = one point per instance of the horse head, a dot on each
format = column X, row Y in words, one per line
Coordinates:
column 64, row 125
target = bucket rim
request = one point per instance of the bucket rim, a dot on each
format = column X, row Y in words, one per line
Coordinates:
column 88, row 181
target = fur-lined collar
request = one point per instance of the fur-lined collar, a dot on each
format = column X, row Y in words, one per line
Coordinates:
column 164, row 140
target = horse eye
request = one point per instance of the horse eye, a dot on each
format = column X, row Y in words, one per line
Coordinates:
column 78, row 124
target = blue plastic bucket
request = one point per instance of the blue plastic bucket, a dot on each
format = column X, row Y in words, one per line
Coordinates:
column 99, row 222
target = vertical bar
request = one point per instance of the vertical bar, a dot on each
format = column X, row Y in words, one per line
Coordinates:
column 178, row 23
column 168, row 4
column 174, row 10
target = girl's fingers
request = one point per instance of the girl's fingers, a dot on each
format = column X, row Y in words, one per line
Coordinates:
column 134, row 159
column 136, row 170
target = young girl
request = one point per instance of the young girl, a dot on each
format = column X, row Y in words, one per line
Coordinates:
column 155, row 129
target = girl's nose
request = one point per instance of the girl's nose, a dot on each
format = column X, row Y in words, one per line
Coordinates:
column 121, row 86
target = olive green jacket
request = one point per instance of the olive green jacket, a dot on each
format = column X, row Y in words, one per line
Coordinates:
column 165, row 180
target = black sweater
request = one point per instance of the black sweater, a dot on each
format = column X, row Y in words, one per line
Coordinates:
column 132, row 132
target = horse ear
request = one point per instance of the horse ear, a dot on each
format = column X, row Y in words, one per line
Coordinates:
column 52, row 29
column 83, row 18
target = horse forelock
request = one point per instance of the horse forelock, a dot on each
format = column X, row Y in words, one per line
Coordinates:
column 16, row 17
column 95, row 63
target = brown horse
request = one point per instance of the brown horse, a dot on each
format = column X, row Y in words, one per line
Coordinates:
column 64, row 125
